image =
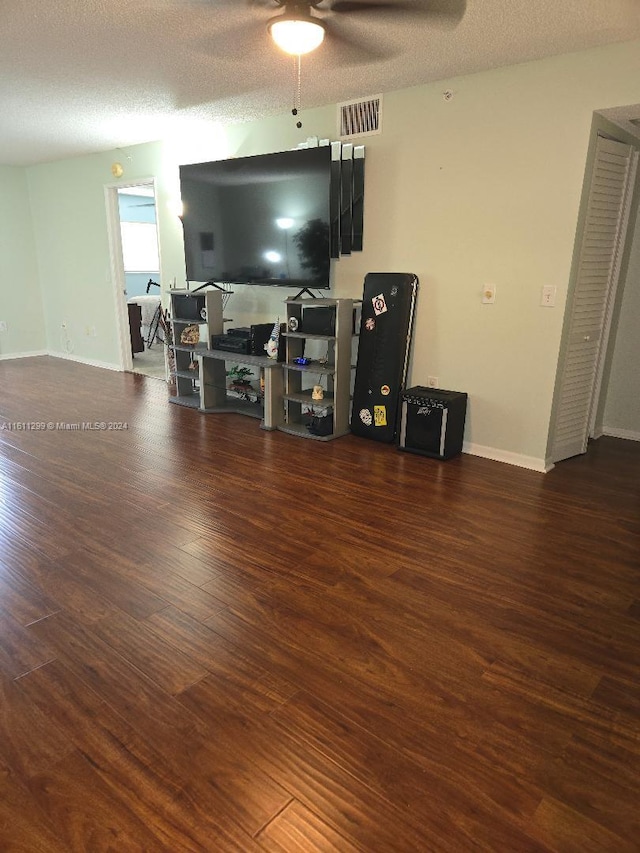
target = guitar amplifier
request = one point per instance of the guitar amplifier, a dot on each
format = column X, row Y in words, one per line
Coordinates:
column 432, row 421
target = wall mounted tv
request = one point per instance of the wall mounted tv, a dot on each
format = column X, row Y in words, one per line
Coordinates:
column 260, row 220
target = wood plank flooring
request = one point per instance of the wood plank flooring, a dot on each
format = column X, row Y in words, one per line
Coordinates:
column 214, row 638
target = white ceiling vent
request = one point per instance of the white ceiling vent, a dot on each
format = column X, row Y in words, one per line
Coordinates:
column 360, row 118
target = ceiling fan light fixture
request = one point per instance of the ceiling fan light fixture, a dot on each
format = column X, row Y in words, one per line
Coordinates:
column 295, row 33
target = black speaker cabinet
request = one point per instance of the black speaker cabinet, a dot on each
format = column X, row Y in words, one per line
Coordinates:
column 432, row 421
column 319, row 321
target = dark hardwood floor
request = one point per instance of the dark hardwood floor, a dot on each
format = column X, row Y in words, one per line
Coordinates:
column 214, row 638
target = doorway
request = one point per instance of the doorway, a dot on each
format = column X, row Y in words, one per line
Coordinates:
column 135, row 263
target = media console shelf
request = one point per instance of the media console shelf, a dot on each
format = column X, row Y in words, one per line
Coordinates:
column 281, row 395
column 334, row 374
column 215, row 395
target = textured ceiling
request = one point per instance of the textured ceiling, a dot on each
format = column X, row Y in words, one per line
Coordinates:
column 80, row 76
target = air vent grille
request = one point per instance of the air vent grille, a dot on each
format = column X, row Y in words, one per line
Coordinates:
column 360, row 118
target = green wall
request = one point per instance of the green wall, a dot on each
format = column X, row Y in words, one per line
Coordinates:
column 483, row 188
column 20, row 296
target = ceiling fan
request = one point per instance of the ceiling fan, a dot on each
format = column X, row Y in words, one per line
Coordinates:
column 298, row 30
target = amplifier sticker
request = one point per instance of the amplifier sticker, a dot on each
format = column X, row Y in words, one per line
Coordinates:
column 424, row 410
column 380, row 415
column 379, row 305
column 370, row 324
column 385, row 390
column 365, row 417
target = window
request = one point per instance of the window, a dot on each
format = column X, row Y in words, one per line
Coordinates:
column 140, row 247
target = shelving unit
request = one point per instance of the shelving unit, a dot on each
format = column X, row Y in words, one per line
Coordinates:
column 216, row 397
column 336, row 373
column 186, row 310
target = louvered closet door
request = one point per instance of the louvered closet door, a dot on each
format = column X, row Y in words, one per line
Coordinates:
column 598, row 268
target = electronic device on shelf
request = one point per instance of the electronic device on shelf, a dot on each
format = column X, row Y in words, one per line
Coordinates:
column 231, row 343
column 319, row 321
column 246, row 339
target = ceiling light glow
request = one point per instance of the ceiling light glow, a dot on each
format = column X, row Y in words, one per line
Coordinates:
column 296, row 34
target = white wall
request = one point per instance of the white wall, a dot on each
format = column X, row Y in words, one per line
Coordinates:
column 20, row 296
column 484, row 188
column 622, row 408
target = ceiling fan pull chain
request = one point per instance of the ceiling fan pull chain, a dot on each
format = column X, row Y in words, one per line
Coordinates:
column 297, row 69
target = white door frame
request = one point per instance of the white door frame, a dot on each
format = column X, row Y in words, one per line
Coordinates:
column 117, row 264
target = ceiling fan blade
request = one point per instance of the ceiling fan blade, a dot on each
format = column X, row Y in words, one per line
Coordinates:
column 342, row 49
column 444, row 11
column 233, row 42
column 350, row 6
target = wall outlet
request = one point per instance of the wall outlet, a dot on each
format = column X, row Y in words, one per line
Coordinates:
column 3, row 326
column 432, row 382
column 548, row 298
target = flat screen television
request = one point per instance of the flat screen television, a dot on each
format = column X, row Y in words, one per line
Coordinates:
column 260, row 220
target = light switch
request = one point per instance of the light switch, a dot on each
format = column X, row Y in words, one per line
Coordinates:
column 548, row 299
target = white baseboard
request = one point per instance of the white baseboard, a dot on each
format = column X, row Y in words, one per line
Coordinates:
column 630, row 434
column 530, row 462
column 89, row 361
column 13, row 355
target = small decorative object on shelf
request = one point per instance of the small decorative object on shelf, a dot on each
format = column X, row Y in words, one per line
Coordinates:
column 271, row 346
column 317, row 393
column 190, row 335
column 240, row 384
column 240, row 375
